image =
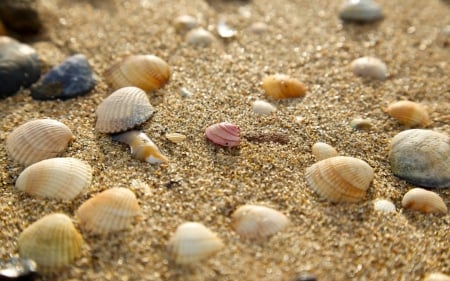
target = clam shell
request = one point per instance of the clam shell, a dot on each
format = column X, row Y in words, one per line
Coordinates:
column 425, row 201
column 263, row 107
column 369, row 67
column 200, row 37
column 38, row 140
column 61, row 178
column 384, row 205
column 280, row 86
column 253, row 221
column 52, row 242
column 109, row 211
column 224, row 134
column 175, row 137
column 360, row 11
column 123, row 110
column 323, row 151
column 193, row 242
column 147, row 72
column 340, row 178
column 409, row 113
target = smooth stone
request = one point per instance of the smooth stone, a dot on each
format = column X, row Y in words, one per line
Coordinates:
column 18, row 269
column 421, row 157
column 200, row 37
column 369, row 68
column 360, row 11
column 20, row 15
column 71, row 78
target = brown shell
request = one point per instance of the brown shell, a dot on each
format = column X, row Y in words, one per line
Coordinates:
column 423, row 200
column 409, row 113
column 280, row 86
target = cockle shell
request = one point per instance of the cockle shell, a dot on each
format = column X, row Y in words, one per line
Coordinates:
column 340, row 178
column 384, row 205
column 263, row 107
column 61, row 178
column 369, row 67
column 123, row 110
column 409, row 113
column 111, row 210
column 224, row 134
column 423, row 200
column 280, row 86
column 193, row 242
column 52, row 242
column 323, row 151
column 142, row 148
column 147, row 72
column 37, row 140
column 175, row 137
column 253, row 221
column 360, row 11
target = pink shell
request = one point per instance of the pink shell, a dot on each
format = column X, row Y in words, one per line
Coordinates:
column 224, row 134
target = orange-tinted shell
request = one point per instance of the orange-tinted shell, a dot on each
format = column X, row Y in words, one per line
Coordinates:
column 409, row 113
column 280, row 86
column 423, row 200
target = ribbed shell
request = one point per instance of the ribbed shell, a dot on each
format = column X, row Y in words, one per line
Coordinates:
column 109, row 211
column 147, row 72
column 61, row 178
column 323, row 151
column 409, row 113
column 423, row 200
column 38, row 140
column 340, row 178
column 280, row 86
column 52, row 242
column 224, row 134
column 123, row 110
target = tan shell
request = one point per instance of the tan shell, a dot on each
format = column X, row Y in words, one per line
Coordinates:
column 423, row 200
column 409, row 113
column 122, row 110
column 253, row 221
column 142, row 147
column 61, row 178
column 193, row 242
column 361, row 124
column 340, row 178
column 109, row 211
column 280, row 86
column 322, row 151
column 52, row 242
column 147, row 72
column 175, row 137
column 436, row 276
column 38, row 140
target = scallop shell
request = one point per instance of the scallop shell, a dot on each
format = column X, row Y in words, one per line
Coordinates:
column 38, row 140
column 384, row 205
column 193, row 242
column 175, row 137
column 61, row 178
column 409, row 113
column 425, row 201
column 323, row 151
column 200, row 37
column 360, row 11
column 147, row 72
column 263, row 107
column 109, row 211
column 280, row 86
column 340, row 178
column 253, row 221
column 369, row 67
column 123, row 110
column 52, row 242
column 224, row 134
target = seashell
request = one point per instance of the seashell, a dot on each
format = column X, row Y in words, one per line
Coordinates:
column 111, row 210
column 369, row 67
column 185, row 22
column 224, row 134
column 425, row 201
column 436, row 276
column 52, row 242
column 18, row 269
column 409, row 113
column 175, row 137
column 360, row 11
column 253, row 221
column 142, row 148
column 19, row 66
column 224, row 30
column 61, row 178
column 323, row 151
column 147, row 72
column 280, row 86
column 73, row 77
column 200, row 37
column 263, row 107
column 340, row 178
column 185, row 93
column 193, row 242
column 37, row 140
column 361, row 124
column 384, row 205
column 122, row 110
column 421, row 157
column 258, row 27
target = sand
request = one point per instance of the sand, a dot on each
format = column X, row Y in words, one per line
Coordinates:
column 205, row 183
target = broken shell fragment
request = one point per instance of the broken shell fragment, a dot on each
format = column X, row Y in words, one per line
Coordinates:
column 409, row 113
column 263, row 107
column 224, row 134
column 323, row 151
column 175, row 137
column 224, row 30
column 423, row 200
column 280, row 86
column 384, row 205
column 369, row 67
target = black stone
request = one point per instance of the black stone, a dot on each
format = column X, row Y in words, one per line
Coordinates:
column 20, row 15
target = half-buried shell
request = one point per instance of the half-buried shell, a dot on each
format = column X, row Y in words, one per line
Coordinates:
column 409, row 113
column 280, row 86
column 224, row 134
column 423, row 200
column 323, row 151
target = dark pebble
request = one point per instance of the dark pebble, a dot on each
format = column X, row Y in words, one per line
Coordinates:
column 20, row 15
column 305, row 277
column 18, row 269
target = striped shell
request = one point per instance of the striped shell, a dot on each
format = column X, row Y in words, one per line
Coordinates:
column 323, row 151
column 340, row 178
column 109, row 211
column 147, row 72
column 122, row 110
column 280, row 86
column 369, row 67
column 409, row 113
column 224, row 134
column 52, row 242
column 61, row 178
column 423, row 200
column 38, row 140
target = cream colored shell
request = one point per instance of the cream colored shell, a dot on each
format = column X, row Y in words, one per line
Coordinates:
column 323, row 151
column 423, row 200
column 437, row 276
column 409, row 113
column 280, row 86
column 175, row 137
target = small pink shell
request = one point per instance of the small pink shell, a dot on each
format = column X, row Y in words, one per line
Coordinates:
column 224, row 134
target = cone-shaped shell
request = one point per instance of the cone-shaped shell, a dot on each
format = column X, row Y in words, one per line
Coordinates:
column 38, row 140
column 323, row 151
column 280, row 86
column 123, row 110
column 52, row 242
column 340, row 178
column 147, row 72
column 423, row 200
column 409, row 113
column 142, row 148
column 61, row 178
column 109, row 211
column 252, row 221
column 193, row 242
column 224, row 134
